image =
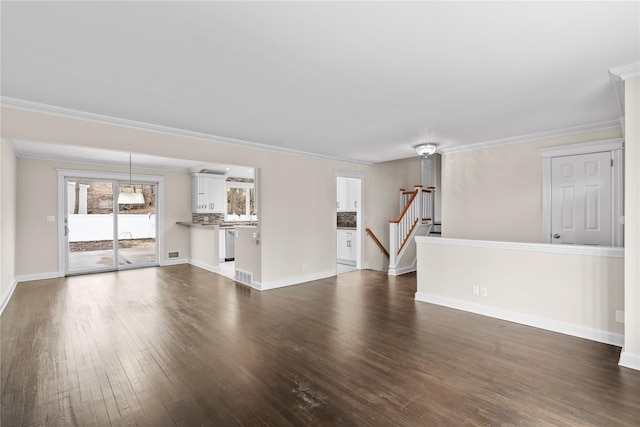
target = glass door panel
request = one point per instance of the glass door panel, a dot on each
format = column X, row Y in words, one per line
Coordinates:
column 89, row 226
column 136, row 225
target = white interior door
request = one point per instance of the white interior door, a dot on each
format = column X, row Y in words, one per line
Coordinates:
column 581, row 199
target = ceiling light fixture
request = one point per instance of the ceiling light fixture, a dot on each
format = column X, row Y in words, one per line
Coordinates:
column 426, row 149
column 127, row 198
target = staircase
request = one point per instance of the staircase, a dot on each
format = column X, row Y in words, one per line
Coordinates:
column 416, row 217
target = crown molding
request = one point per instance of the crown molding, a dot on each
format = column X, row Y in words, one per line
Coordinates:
column 36, row 107
column 11, row 146
column 532, row 137
column 626, row 71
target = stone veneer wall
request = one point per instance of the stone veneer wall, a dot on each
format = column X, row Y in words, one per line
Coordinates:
column 347, row 219
column 214, row 218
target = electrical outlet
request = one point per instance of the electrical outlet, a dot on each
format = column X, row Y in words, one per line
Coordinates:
column 476, row 290
column 483, row 292
column 304, row 267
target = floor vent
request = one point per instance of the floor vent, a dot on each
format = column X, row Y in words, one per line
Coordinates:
column 243, row 277
column 174, row 254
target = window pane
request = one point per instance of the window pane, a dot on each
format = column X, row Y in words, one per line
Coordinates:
column 236, row 201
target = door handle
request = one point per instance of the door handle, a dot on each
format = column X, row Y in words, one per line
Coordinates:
column 556, row 236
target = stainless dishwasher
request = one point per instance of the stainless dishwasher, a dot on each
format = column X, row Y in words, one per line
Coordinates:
column 230, row 245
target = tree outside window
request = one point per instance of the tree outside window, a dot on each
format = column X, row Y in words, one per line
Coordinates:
column 240, row 201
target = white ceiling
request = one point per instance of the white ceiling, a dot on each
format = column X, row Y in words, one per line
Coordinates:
column 353, row 80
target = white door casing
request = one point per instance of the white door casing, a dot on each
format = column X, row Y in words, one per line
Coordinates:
column 359, row 237
column 65, row 174
column 581, row 199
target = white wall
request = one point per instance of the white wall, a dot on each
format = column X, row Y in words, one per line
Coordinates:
column 631, row 353
column 8, row 202
column 205, row 247
column 295, row 233
column 249, row 260
column 496, row 193
column 541, row 285
column 37, row 240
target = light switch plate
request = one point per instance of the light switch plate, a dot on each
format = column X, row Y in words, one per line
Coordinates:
column 51, row 218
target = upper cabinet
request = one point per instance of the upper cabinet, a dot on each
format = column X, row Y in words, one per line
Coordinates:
column 348, row 194
column 208, row 193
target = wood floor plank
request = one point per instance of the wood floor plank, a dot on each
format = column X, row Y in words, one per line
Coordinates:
column 181, row 346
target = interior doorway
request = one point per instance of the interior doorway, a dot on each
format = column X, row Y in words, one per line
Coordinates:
column 108, row 224
column 349, row 191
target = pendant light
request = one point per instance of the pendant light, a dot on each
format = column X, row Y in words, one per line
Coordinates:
column 127, row 198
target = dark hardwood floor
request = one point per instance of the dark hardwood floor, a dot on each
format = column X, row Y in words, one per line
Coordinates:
column 181, row 346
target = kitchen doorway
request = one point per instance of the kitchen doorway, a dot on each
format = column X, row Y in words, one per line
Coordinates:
column 349, row 192
column 108, row 224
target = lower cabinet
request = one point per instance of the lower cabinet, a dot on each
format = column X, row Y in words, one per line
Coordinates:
column 346, row 247
column 222, row 245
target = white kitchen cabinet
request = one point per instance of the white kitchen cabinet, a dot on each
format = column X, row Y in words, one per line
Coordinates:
column 346, row 247
column 218, row 195
column 208, row 193
column 347, row 194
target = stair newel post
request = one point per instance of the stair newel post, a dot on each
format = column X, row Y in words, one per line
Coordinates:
column 432, row 203
column 403, row 199
column 419, row 203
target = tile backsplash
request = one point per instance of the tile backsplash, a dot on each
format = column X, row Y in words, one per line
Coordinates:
column 214, row 218
column 347, row 219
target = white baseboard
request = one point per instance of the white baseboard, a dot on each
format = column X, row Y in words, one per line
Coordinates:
column 403, row 270
column 7, row 297
column 525, row 319
column 293, row 281
column 40, row 276
column 629, row 360
column 175, row 261
column 205, row 266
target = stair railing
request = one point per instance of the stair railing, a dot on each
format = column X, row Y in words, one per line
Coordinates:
column 377, row 242
column 419, row 208
column 400, row 229
column 428, row 204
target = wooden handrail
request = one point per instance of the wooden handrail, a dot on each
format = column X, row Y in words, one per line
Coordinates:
column 404, row 242
column 375, row 239
column 395, row 221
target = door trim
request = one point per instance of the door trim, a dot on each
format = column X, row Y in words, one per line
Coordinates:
column 63, row 174
column 616, row 147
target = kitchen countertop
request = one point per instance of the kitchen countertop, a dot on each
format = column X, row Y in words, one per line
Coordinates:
column 211, row 224
column 196, row 224
column 346, row 228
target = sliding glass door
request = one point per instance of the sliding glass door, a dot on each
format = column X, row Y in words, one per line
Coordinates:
column 136, row 225
column 109, row 225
